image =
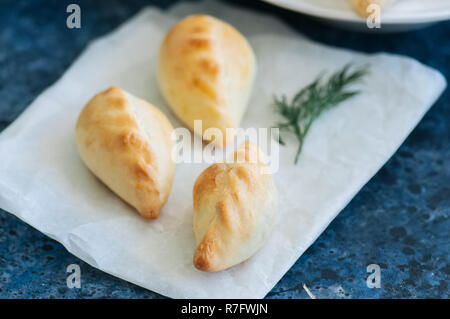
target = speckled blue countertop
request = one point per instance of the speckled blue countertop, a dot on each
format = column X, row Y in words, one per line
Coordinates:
column 399, row 220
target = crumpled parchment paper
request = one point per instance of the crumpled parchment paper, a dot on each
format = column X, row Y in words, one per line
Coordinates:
column 44, row 182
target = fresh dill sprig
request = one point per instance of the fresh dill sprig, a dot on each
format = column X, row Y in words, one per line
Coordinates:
column 311, row 101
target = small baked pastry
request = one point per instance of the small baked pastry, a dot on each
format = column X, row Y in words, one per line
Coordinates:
column 362, row 5
column 205, row 72
column 126, row 142
column 235, row 208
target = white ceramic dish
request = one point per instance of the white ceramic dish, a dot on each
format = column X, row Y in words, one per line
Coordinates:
column 403, row 15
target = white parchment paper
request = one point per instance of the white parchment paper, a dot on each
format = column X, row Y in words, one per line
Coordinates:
column 44, row 182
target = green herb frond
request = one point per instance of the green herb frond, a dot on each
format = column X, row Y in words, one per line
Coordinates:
column 307, row 105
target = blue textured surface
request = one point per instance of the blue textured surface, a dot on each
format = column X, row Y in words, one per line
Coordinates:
column 399, row 220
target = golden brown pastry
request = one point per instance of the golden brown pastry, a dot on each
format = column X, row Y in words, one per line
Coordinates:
column 235, row 208
column 126, row 143
column 361, row 5
column 206, row 70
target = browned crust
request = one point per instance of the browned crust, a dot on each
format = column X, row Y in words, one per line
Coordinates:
column 106, row 123
column 361, row 6
column 236, row 190
column 196, row 56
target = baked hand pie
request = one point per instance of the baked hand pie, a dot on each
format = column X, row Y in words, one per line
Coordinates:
column 205, row 72
column 362, row 5
column 235, row 208
column 126, row 142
